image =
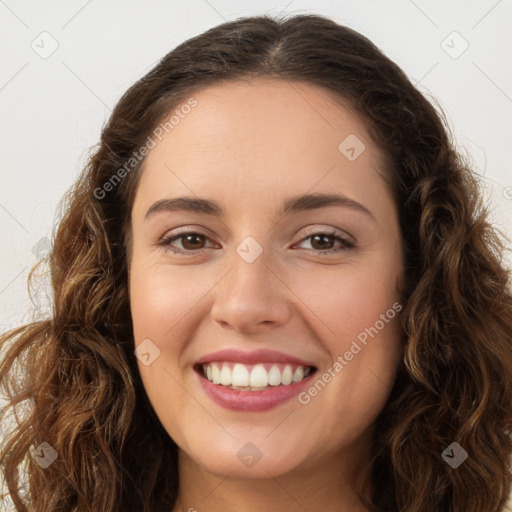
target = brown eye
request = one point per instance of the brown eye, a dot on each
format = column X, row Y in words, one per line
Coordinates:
column 190, row 242
column 322, row 243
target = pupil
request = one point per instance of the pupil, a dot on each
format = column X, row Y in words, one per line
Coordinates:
column 190, row 238
column 324, row 237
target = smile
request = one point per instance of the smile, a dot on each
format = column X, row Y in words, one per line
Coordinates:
column 254, row 377
column 252, row 381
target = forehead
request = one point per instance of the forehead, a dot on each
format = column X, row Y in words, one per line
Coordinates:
column 261, row 137
column 265, row 111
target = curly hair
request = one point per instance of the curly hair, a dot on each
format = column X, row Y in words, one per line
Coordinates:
column 79, row 373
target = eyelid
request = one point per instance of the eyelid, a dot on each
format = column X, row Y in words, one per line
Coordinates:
column 312, row 230
column 309, row 230
column 348, row 242
column 182, row 232
column 188, row 230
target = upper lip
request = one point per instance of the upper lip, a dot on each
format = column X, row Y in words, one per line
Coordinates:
column 254, row 357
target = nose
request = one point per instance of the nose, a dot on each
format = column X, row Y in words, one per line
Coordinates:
column 251, row 297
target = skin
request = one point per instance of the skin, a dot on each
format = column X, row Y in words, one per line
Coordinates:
column 250, row 145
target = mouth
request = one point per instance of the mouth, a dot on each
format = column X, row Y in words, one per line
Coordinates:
column 253, row 377
column 252, row 381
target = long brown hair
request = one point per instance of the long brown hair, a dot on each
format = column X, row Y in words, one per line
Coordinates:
column 455, row 383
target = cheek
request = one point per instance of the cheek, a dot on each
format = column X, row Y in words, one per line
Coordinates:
column 358, row 312
column 345, row 301
column 160, row 299
column 159, row 302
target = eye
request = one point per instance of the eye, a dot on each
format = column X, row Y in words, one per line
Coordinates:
column 191, row 241
column 194, row 242
column 322, row 241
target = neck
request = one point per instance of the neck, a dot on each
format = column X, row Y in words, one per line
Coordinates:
column 330, row 486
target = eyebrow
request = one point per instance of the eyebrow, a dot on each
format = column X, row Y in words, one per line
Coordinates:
column 293, row 204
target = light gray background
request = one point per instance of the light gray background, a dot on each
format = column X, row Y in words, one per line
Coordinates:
column 53, row 108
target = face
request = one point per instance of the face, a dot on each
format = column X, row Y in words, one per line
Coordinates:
column 265, row 309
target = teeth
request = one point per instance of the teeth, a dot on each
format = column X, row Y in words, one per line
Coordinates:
column 225, row 376
column 287, row 375
column 298, row 374
column 274, row 376
column 215, row 374
column 255, row 377
column 259, row 377
column 239, row 375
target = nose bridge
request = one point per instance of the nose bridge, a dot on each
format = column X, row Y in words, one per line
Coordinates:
column 251, row 266
column 250, row 277
column 250, row 294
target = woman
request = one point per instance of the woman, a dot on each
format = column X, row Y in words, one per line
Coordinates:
column 275, row 289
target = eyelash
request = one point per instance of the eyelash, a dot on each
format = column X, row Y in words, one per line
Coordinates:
column 348, row 244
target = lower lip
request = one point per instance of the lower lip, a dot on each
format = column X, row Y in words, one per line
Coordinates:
column 238, row 400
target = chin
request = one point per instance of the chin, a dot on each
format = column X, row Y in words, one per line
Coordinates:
column 244, row 459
